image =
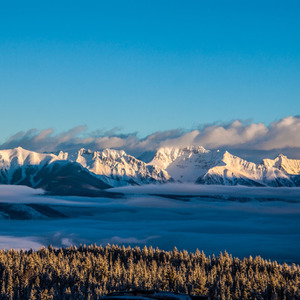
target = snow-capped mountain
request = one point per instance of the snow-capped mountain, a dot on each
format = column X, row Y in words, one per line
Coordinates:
column 76, row 171
column 196, row 164
column 118, row 168
column 234, row 170
column 281, row 162
column 87, row 172
column 47, row 171
column 186, row 164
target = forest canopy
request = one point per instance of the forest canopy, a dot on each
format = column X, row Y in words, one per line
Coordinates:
column 88, row 272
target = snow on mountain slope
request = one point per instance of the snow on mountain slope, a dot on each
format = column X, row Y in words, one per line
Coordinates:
column 239, row 171
column 14, row 158
column 14, row 164
column 186, row 164
column 85, row 170
column 118, row 168
column 290, row 166
column 47, row 171
column 196, row 164
column 99, row 169
column 165, row 156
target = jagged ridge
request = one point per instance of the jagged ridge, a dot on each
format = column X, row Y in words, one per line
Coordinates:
column 196, row 164
column 47, row 171
column 76, row 171
column 98, row 170
column 118, row 168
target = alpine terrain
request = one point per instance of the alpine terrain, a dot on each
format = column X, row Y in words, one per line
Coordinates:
column 85, row 170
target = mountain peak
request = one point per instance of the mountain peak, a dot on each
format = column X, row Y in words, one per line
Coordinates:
column 282, row 162
column 226, row 153
column 112, row 153
column 181, row 164
column 185, row 163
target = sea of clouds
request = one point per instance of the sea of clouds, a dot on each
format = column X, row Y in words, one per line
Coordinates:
column 256, row 225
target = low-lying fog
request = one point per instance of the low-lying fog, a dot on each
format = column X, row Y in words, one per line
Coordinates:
column 242, row 220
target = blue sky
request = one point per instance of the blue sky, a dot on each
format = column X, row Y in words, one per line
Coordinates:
column 147, row 66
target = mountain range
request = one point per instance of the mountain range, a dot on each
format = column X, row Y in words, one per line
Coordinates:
column 87, row 172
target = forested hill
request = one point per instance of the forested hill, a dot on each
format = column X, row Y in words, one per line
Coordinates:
column 90, row 272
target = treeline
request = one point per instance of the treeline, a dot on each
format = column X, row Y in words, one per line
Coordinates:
column 90, row 272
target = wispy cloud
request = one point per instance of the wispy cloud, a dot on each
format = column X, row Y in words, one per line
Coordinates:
column 280, row 134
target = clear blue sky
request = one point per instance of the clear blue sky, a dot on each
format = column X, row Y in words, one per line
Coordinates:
column 147, row 65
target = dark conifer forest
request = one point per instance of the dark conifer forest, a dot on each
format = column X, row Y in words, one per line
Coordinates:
column 88, row 272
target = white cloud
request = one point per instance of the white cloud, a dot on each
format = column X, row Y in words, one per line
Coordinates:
column 281, row 134
column 284, row 133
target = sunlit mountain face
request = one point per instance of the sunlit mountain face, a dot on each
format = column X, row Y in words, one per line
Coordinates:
column 85, row 170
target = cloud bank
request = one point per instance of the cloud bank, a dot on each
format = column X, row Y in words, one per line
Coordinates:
column 270, row 229
column 283, row 134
